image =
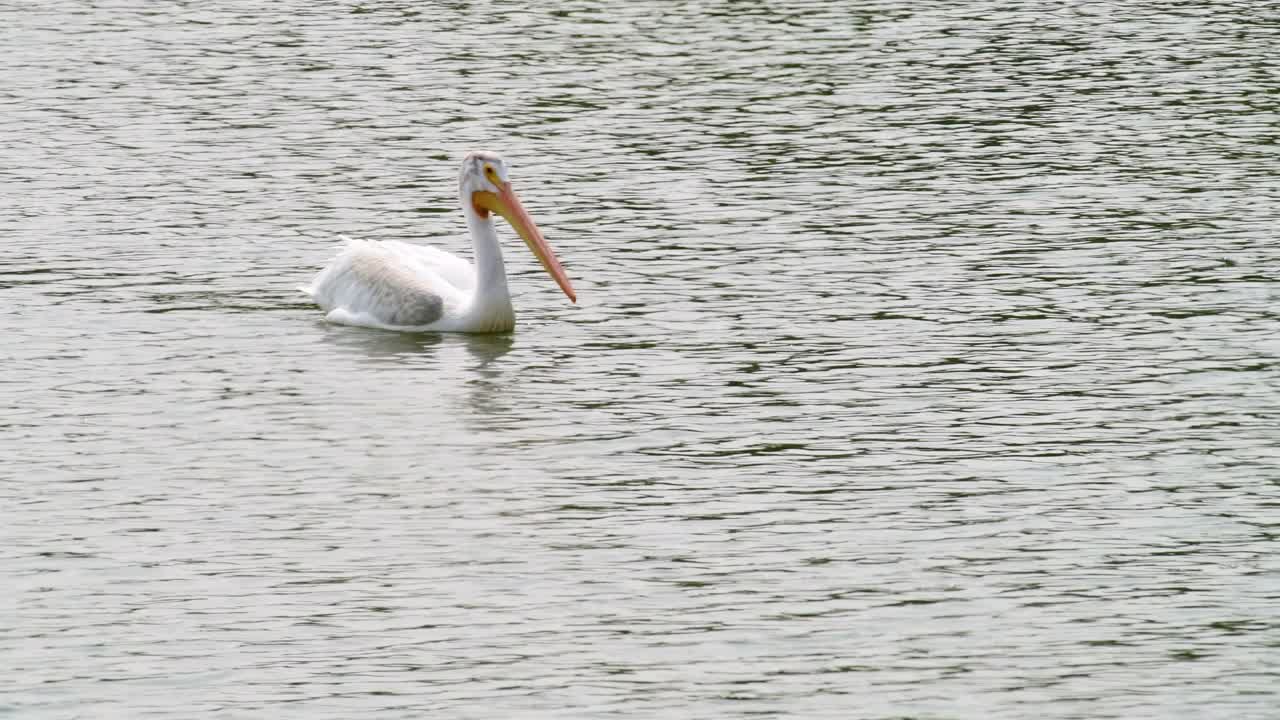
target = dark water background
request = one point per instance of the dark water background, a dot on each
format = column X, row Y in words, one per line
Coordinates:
column 925, row 364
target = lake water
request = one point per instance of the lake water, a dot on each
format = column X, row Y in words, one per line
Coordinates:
column 924, row 366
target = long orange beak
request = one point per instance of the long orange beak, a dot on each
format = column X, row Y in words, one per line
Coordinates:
column 506, row 204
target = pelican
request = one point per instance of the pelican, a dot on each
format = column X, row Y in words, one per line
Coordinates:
column 399, row 286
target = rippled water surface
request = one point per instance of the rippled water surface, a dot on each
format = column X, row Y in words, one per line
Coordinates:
column 924, row 366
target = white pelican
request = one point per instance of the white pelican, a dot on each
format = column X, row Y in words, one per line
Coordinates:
column 398, row 286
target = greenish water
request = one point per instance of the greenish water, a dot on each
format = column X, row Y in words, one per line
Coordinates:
column 924, row 365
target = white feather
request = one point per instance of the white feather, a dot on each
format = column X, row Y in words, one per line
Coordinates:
column 392, row 285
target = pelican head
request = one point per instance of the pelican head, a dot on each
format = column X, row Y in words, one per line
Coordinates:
column 485, row 187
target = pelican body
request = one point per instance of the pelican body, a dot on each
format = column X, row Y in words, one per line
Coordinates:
column 401, row 286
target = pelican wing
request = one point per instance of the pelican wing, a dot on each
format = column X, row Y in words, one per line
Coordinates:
column 456, row 271
column 391, row 284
